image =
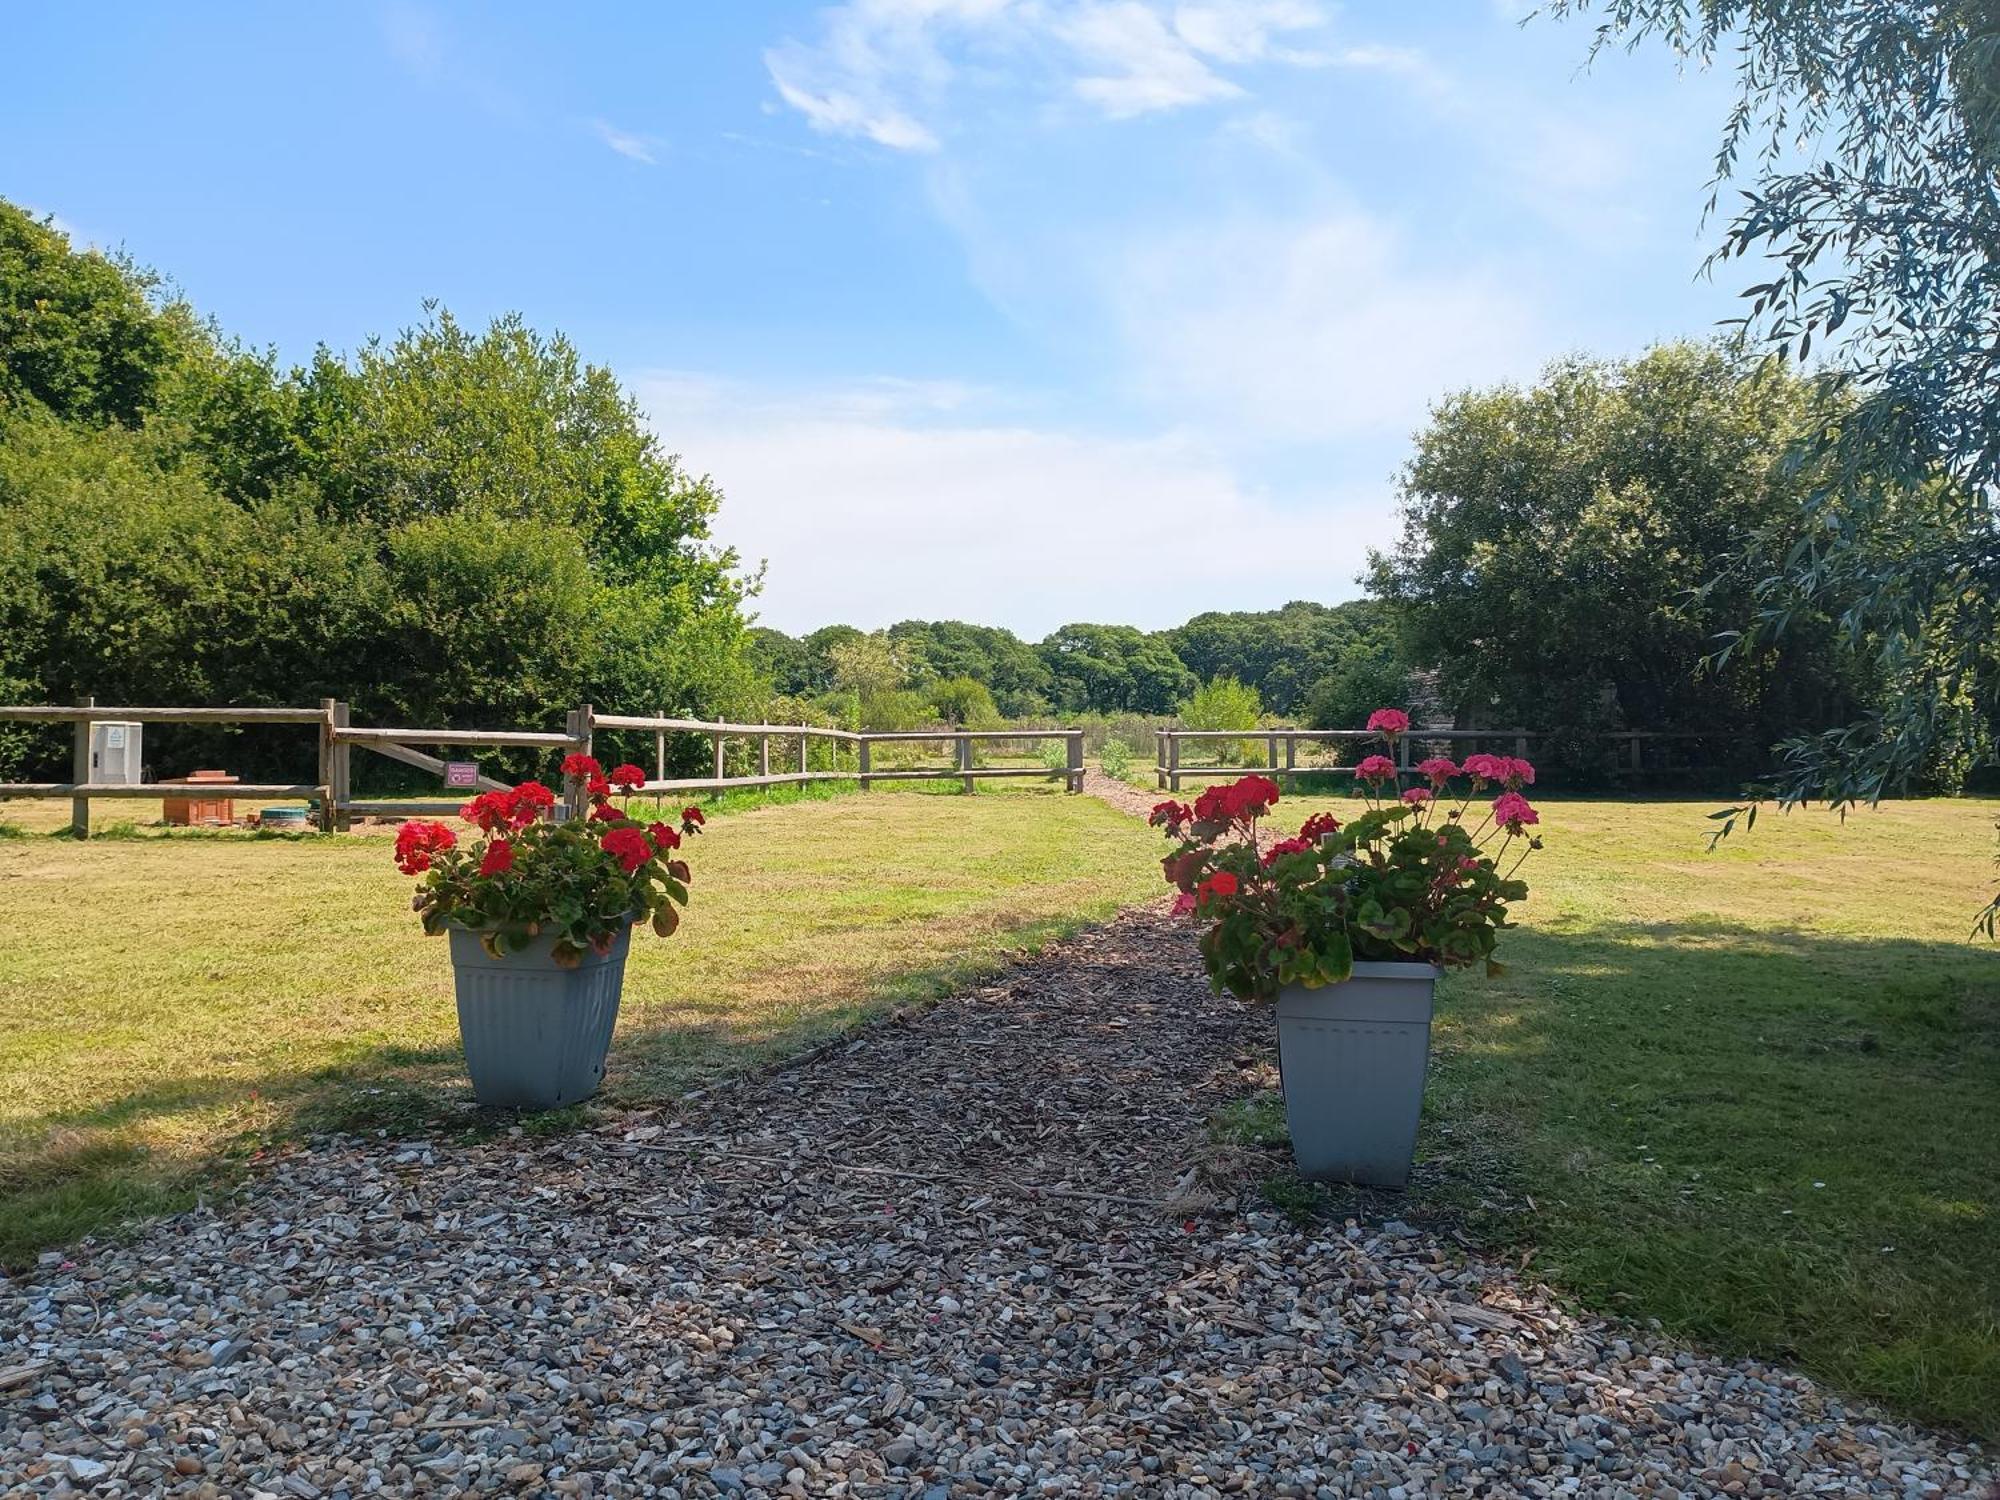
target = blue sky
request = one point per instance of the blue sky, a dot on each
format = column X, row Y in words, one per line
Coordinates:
column 1021, row 311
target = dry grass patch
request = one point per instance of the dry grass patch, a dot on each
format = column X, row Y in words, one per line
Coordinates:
column 170, row 1003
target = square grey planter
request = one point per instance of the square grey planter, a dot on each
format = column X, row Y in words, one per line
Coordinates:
column 1353, row 1057
column 536, row 1034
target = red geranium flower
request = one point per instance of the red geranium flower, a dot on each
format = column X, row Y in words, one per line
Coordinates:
column 579, row 766
column 1518, row 772
column 488, row 811
column 628, row 846
column 527, row 802
column 499, row 858
column 417, row 842
column 663, row 836
column 1417, row 796
column 598, row 788
column 1221, row 883
column 1283, row 847
column 692, row 815
column 627, row 776
column 1512, row 812
column 1319, row 825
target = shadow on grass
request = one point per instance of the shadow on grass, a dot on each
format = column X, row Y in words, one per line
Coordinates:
column 1774, row 1143
column 67, row 1173
column 1779, row 1143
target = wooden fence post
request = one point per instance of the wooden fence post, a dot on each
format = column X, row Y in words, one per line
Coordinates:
column 1173, row 761
column 1292, row 750
column 1638, row 758
column 660, row 750
column 764, row 755
column 964, row 743
column 79, row 772
column 862, row 748
column 1271, row 752
column 343, row 768
column 718, row 756
column 577, row 725
column 805, row 758
column 1160, row 758
column 327, row 751
column 1075, row 777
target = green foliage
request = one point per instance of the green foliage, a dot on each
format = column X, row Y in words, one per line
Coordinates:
column 454, row 529
column 584, row 881
column 80, row 333
column 1367, row 673
column 1551, row 536
column 1224, row 703
column 1017, row 677
column 963, row 701
column 1114, row 757
column 1870, row 138
column 1400, row 883
column 1284, row 653
column 1113, row 668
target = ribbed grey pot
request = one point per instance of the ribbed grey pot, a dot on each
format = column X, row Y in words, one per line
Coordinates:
column 535, row 1034
column 1353, row 1057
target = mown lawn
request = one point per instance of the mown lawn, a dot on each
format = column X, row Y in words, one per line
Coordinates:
column 168, row 1004
column 1754, row 1094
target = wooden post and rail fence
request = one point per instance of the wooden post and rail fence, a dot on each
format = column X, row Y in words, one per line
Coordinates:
column 1172, row 767
column 332, row 787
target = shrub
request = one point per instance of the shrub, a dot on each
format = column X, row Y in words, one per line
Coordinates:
column 1405, row 881
column 1115, row 758
column 584, row 880
column 1224, row 703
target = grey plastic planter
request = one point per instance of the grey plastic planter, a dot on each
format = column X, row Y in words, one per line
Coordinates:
column 535, row 1034
column 1353, row 1057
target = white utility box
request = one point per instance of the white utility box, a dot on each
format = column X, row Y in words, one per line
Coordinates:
column 114, row 754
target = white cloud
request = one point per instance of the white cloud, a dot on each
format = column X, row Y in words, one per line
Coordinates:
column 639, row 148
column 883, row 70
column 1135, row 62
column 1310, row 329
column 894, row 502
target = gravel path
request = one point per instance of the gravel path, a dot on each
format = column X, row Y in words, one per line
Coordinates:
column 966, row 1254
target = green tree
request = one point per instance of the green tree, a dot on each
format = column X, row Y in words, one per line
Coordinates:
column 1012, row 670
column 1370, row 673
column 1282, row 653
column 1111, row 668
column 82, row 333
column 1224, row 703
column 867, row 665
column 963, row 701
column 1550, row 534
column 1866, row 137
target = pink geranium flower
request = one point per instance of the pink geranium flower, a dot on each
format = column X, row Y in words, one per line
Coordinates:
column 1438, row 769
column 1390, row 721
column 1376, row 768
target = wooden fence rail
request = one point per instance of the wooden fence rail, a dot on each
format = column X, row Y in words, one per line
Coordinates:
column 338, row 738
column 1170, row 768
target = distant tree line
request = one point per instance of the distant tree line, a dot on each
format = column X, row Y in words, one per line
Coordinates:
column 959, row 673
column 474, row 528
column 449, row 528
column 1564, row 565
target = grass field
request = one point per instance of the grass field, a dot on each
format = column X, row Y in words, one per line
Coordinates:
column 169, row 1002
column 1754, row 1094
